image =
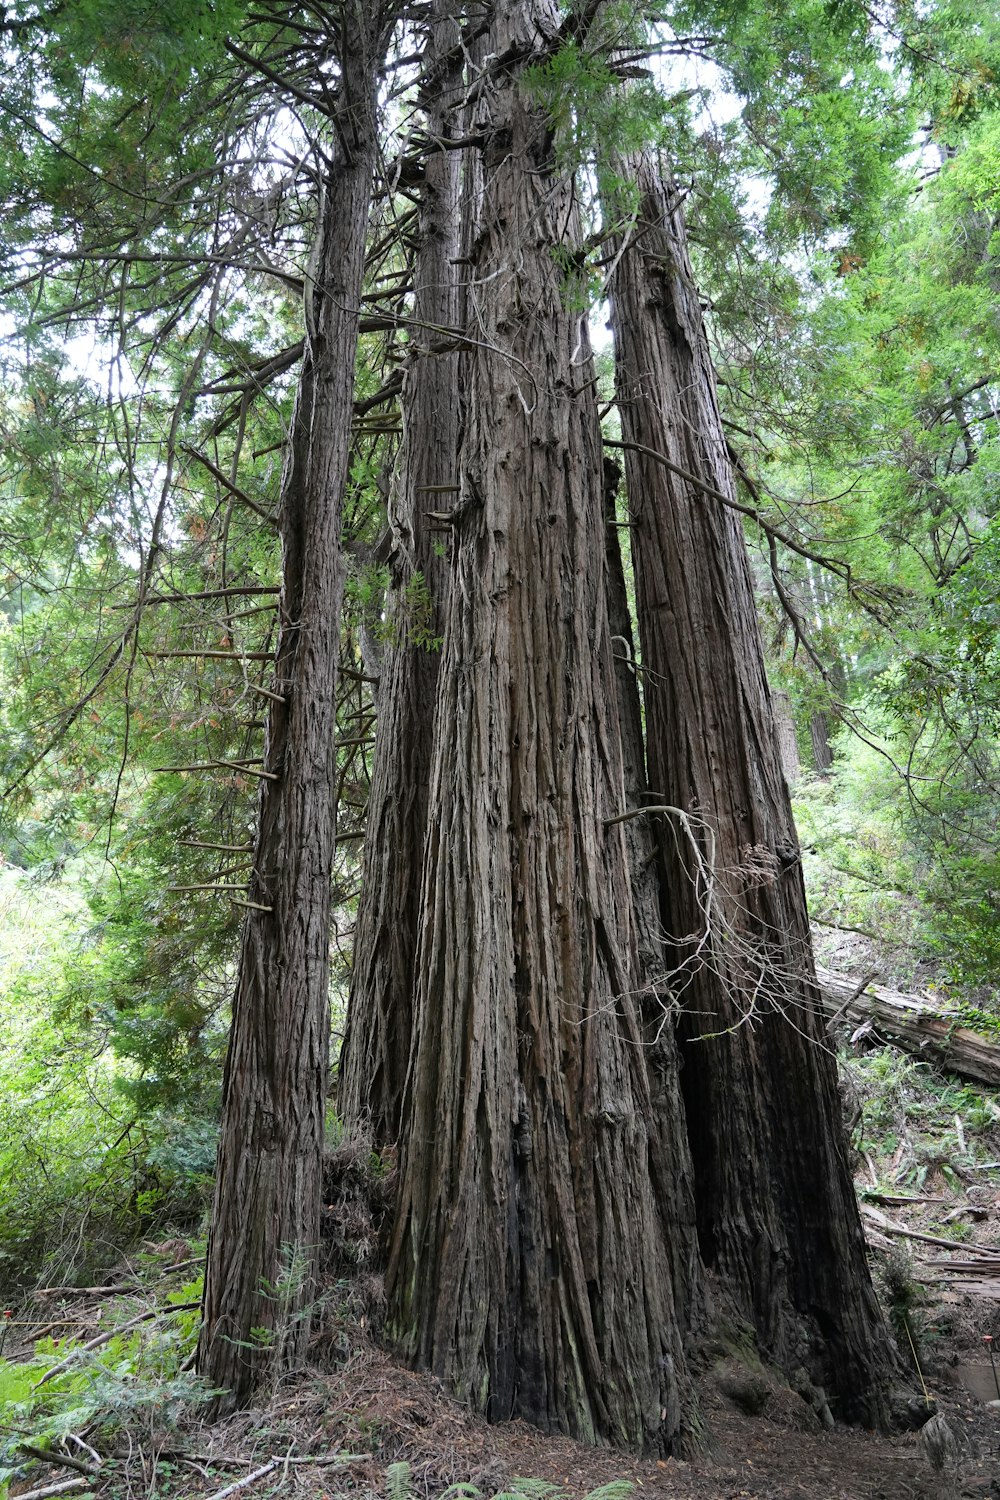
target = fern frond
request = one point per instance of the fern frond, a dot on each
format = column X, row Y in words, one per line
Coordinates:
column 398, row 1477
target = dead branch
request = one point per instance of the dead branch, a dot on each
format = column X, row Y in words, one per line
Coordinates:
column 64, row 1487
column 107, row 1336
column 61, row 1460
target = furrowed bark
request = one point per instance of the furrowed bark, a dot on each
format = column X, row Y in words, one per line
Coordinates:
column 777, row 1217
column 673, row 1158
column 528, row 1264
column 640, row 837
column 259, row 1275
column 379, row 1016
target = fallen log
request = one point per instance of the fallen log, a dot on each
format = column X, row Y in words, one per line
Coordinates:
column 931, row 1032
column 988, row 1256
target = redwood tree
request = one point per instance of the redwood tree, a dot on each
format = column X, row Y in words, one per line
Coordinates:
column 777, row 1216
column 265, row 1220
column 379, row 1018
column 559, row 1183
column 530, row 1264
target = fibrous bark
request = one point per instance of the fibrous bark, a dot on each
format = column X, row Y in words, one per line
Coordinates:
column 659, row 1034
column 259, row 1277
column 530, row 1263
column 777, row 1217
column 819, row 733
column 788, row 745
column 379, row 1017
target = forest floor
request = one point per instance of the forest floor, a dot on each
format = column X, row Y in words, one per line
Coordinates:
column 927, row 1152
column 342, row 1430
column 362, row 1413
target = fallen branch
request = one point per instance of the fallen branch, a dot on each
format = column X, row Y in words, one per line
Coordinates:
column 64, row 1487
column 320, row 1460
column 247, row 1480
column 196, row 1260
column 898, row 1200
column 969, row 1267
column 60, row 1460
column 108, row 1335
column 85, row 1291
column 889, row 1227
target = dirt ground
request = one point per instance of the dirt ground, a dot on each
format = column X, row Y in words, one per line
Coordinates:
column 767, row 1457
column 337, row 1430
column 369, row 1413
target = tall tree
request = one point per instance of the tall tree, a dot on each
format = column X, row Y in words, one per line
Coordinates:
column 529, row 1263
column 376, row 1046
column 545, row 1254
column 265, row 1218
column 777, row 1217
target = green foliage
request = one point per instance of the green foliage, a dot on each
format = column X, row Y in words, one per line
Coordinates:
column 90, row 1157
column 398, row 1481
column 399, row 1486
column 285, row 1296
column 132, row 1382
column 595, row 117
column 404, row 615
column 892, row 413
column 901, row 839
column 909, row 1113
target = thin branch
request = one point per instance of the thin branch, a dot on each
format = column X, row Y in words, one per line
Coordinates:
column 108, row 1335
column 228, row 484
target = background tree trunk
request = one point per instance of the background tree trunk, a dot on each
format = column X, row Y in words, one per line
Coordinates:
column 788, row 744
column 379, row 1017
column 660, row 1041
column 265, row 1216
column 528, row 1265
column 777, row 1217
column 819, row 733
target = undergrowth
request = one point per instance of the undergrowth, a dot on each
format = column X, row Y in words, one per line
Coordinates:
column 399, row 1486
column 85, row 1169
column 74, row 1399
column 917, row 1126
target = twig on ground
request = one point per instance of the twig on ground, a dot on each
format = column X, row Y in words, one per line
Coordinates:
column 62, row 1460
column 104, row 1338
column 64, row 1487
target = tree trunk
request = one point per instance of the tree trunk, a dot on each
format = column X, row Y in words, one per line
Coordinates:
column 819, row 733
column 640, row 838
column 788, row 744
column 528, row 1264
column 660, row 1041
column 379, row 1017
column 777, row 1218
column 265, row 1216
